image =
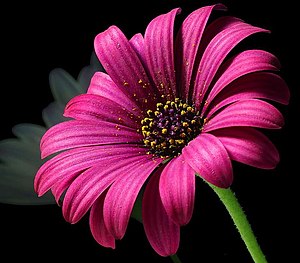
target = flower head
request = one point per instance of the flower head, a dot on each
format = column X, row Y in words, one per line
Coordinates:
column 167, row 108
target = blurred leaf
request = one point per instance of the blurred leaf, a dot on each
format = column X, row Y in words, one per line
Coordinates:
column 20, row 160
column 63, row 86
column 53, row 114
column 86, row 73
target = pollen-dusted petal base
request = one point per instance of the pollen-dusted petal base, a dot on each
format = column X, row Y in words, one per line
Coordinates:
column 102, row 85
column 159, row 53
column 93, row 108
column 123, row 65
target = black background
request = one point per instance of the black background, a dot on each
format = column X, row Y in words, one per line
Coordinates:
column 38, row 38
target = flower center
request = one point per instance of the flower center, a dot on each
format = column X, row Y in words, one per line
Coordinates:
column 168, row 129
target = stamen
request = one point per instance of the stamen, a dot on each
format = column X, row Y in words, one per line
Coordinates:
column 170, row 127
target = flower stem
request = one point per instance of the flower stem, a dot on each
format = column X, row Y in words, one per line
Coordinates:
column 239, row 218
column 175, row 258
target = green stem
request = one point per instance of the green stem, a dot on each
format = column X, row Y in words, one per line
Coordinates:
column 239, row 218
column 175, row 258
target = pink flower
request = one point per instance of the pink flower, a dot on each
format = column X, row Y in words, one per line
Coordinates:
column 166, row 109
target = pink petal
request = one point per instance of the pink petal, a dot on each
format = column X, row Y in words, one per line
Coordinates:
column 159, row 52
column 102, row 85
column 177, row 190
column 241, row 64
column 138, row 44
column 252, row 112
column 215, row 27
column 60, row 171
column 93, row 108
column 249, row 146
column 86, row 188
column 123, row 65
column 209, row 158
column 216, row 52
column 97, row 226
column 123, row 193
column 258, row 85
column 163, row 234
column 73, row 134
column 187, row 42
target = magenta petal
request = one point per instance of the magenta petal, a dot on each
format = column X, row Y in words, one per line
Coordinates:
column 249, row 146
column 241, row 64
column 138, row 44
column 252, row 112
column 102, row 85
column 209, row 158
column 187, row 42
column 177, row 190
column 258, row 85
column 60, row 171
column 93, row 108
column 97, row 226
column 215, row 53
column 159, row 52
column 73, row 134
column 163, row 234
column 122, row 194
column 86, row 188
column 121, row 62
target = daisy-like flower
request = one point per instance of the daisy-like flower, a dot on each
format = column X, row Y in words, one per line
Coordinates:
column 166, row 109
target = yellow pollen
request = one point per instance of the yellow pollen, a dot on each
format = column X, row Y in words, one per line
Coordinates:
column 159, row 105
column 171, row 141
column 153, row 144
column 185, row 124
column 164, row 131
column 150, row 112
column 182, row 135
column 179, row 141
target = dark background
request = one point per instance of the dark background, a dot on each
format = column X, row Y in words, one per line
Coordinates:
column 38, row 38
